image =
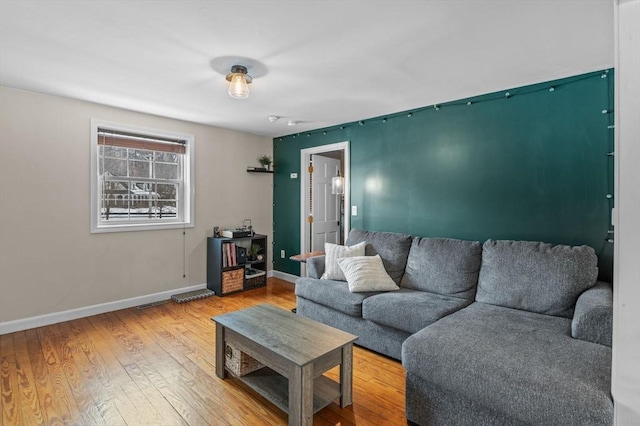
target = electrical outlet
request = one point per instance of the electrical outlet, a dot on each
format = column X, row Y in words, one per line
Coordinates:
column 282, row 254
column 354, row 210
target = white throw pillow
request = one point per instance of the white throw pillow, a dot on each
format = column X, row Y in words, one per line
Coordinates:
column 333, row 252
column 366, row 273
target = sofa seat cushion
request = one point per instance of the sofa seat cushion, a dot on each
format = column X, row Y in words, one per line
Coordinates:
column 409, row 310
column 392, row 247
column 443, row 265
column 332, row 294
column 535, row 277
column 520, row 363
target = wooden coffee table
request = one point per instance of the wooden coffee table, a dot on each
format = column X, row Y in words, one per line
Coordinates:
column 296, row 351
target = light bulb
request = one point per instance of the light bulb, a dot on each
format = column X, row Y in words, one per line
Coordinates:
column 238, row 88
column 337, row 185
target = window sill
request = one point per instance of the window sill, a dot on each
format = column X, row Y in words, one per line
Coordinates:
column 140, row 227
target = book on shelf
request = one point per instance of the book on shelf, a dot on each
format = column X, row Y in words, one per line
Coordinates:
column 229, row 257
column 234, row 261
column 225, row 262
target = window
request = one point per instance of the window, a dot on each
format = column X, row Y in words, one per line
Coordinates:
column 141, row 179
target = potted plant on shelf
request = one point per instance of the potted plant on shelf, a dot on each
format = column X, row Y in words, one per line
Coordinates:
column 254, row 251
column 265, row 161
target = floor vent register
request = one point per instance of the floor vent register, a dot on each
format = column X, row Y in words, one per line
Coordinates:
column 192, row 295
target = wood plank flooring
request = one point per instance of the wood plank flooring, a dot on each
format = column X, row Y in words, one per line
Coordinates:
column 155, row 366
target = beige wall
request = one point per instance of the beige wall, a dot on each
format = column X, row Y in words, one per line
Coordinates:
column 50, row 262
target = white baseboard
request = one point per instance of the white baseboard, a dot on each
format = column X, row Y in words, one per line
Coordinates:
column 56, row 317
column 285, row 276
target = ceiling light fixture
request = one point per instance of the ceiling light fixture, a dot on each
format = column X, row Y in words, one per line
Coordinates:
column 291, row 123
column 273, row 118
column 239, row 82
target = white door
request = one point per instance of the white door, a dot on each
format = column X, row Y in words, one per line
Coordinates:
column 325, row 205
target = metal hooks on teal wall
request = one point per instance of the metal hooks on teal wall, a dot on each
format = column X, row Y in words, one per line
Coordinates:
column 502, row 95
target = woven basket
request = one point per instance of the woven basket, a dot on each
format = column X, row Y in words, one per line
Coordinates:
column 255, row 282
column 232, row 280
column 238, row 362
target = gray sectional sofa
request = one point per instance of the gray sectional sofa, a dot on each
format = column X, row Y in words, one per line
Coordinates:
column 500, row 333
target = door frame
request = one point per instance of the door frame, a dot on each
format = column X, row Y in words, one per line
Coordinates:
column 305, row 157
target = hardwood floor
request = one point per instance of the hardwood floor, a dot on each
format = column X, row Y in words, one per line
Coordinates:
column 155, row 366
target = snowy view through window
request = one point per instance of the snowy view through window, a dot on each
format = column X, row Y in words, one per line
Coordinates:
column 138, row 184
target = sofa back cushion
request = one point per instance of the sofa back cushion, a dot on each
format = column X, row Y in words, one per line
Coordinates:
column 392, row 247
column 444, row 266
column 534, row 276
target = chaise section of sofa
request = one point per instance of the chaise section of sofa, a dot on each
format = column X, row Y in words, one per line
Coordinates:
column 506, row 366
column 518, row 355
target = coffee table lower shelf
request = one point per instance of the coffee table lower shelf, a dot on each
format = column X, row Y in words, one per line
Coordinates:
column 275, row 388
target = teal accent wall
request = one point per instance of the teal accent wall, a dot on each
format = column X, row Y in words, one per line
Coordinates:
column 528, row 163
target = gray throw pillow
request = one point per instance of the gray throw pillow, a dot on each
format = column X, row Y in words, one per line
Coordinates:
column 536, row 277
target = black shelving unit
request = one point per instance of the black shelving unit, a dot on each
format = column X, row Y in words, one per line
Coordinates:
column 227, row 272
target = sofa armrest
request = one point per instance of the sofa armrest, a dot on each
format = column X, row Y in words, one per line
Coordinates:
column 315, row 266
column 593, row 316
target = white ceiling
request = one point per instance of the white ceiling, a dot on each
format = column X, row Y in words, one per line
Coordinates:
column 320, row 63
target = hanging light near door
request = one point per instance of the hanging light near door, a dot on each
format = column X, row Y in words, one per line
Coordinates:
column 337, row 184
column 239, row 82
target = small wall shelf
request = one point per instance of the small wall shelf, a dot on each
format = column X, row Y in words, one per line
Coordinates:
column 258, row 170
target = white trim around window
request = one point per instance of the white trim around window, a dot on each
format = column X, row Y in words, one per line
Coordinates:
column 132, row 187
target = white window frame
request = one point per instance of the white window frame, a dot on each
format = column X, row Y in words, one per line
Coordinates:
column 185, row 217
